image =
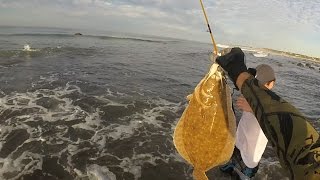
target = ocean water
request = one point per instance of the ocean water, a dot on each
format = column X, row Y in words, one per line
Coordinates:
column 104, row 105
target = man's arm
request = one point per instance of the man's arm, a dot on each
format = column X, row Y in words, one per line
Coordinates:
column 294, row 139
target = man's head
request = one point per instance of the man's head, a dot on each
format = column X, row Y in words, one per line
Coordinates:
column 265, row 75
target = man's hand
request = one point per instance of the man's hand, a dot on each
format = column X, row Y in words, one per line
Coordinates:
column 233, row 63
column 243, row 104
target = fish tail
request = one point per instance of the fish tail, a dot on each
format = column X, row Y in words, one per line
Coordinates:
column 199, row 175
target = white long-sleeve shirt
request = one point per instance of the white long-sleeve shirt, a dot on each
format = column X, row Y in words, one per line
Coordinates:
column 250, row 139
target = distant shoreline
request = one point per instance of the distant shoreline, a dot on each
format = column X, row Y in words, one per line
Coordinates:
column 274, row 52
column 290, row 54
column 280, row 53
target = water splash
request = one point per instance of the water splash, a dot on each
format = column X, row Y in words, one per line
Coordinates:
column 260, row 54
column 27, row 47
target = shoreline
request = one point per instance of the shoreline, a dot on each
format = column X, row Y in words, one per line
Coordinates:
column 291, row 55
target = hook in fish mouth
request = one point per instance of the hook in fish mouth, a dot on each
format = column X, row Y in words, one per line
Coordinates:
column 204, row 91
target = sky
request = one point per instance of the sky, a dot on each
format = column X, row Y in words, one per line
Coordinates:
column 287, row 25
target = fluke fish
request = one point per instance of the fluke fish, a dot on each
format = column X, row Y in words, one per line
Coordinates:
column 205, row 134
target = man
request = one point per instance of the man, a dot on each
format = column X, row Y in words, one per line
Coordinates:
column 250, row 139
column 293, row 138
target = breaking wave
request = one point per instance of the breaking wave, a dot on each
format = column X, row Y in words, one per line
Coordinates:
column 260, row 54
column 64, row 133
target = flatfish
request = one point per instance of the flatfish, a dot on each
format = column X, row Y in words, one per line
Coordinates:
column 205, row 133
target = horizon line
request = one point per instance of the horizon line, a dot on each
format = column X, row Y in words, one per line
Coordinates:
column 229, row 45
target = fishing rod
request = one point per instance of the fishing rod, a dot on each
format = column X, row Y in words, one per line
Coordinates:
column 241, row 175
column 215, row 49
